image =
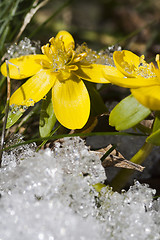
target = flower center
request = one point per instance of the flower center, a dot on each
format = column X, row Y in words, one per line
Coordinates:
column 61, row 60
column 57, row 55
column 143, row 69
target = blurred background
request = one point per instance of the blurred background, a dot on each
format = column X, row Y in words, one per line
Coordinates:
column 132, row 24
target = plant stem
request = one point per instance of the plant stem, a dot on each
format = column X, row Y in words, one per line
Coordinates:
column 55, row 137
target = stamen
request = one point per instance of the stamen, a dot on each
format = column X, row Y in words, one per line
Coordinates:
column 80, row 57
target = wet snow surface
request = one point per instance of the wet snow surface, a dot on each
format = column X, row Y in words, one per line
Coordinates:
column 49, row 195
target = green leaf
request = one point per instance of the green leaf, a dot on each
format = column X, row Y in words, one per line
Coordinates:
column 98, row 187
column 154, row 138
column 127, row 113
column 13, row 116
column 156, row 125
column 47, row 116
column 97, row 105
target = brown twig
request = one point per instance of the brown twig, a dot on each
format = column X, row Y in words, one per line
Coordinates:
column 116, row 159
column 29, row 16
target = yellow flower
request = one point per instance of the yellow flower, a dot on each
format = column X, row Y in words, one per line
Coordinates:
column 133, row 72
column 62, row 68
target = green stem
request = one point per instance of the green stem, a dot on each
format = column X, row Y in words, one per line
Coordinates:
column 123, row 176
column 55, row 137
column 45, row 141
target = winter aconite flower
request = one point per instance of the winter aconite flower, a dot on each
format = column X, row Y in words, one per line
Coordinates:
column 61, row 68
column 133, row 72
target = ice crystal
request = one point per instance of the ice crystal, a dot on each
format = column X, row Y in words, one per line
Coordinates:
column 24, row 47
column 102, row 57
column 14, row 156
column 15, row 108
column 143, row 69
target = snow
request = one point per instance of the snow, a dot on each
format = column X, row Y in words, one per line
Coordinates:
column 50, row 195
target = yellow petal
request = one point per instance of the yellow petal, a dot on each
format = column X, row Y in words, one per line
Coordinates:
column 92, row 73
column 71, row 103
column 112, row 72
column 34, row 89
column 67, row 38
column 24, row 66
column 126, row 61
column 158, row 60
column 148, row 96
column 122, row 81
column 156, row 68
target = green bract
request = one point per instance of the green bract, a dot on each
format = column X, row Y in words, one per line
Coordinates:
column 127, row 113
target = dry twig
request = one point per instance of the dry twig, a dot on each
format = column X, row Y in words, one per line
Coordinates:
column 116, row 159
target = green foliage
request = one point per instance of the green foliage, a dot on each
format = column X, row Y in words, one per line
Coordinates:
column 127, row 113
column 154, row 138
column 98, row 187
column 97, row 105
column 12, row 13
column 156, row 125
column 47, row 116
column 13, row 117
